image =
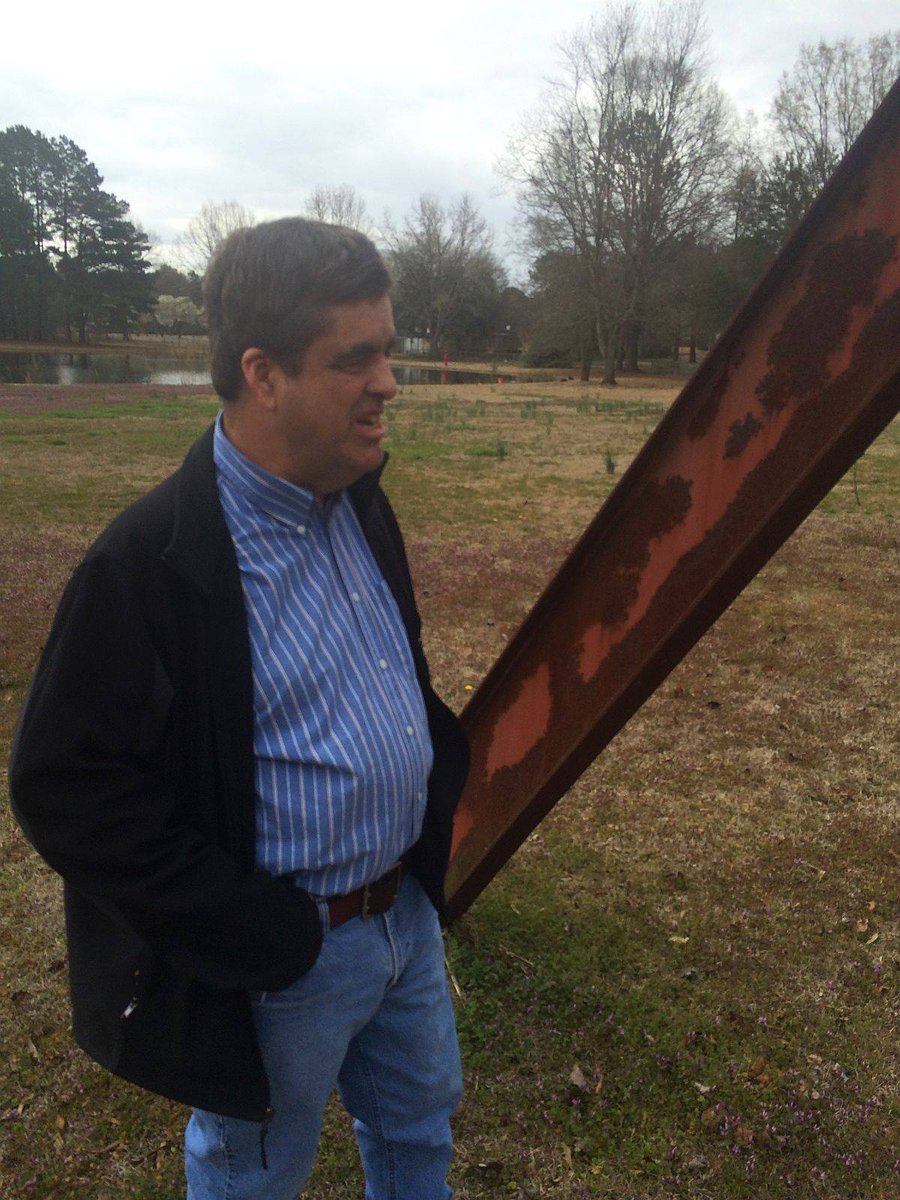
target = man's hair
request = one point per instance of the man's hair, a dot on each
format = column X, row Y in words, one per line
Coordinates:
column 271, row 286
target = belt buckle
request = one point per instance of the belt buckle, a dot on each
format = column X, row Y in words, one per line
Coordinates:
column 366, row 912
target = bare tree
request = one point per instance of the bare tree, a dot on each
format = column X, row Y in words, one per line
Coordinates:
column 338, row 204
column 626, row 161
column 206, row 229
column 881, row 69
column 825, row 100
column 562, row 325
column 445, row 272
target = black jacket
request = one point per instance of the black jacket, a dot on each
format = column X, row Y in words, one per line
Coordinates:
column 132, row 773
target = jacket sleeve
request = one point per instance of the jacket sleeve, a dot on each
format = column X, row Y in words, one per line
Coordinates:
column 89, row 786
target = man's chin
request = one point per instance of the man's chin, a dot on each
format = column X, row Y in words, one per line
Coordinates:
column 361, row 465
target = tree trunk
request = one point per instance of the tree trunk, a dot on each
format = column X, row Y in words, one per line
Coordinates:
column 63, row 269
column 585, row 354
column 41, row 309
column 631, row 337
column 609, row 360
column 609, row 340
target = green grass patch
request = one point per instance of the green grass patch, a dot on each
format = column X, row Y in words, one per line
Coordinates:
column 498, row 450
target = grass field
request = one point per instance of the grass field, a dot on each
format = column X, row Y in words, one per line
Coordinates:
column 684, row 984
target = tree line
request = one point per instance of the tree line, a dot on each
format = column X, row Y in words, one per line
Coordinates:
column 647, row 210
column 71, row 260
column 448, row 282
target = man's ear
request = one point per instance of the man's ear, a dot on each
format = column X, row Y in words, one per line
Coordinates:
column 260, row 376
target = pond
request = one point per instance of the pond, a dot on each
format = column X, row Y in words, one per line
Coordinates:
column 69, row 367
column 74, row 367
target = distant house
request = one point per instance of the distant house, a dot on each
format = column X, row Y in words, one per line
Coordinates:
column 412, row 344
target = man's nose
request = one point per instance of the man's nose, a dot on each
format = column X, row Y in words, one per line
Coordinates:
column 382, row 382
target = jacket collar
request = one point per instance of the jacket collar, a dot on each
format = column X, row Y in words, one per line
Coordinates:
column 200, row 548
column 200, row 542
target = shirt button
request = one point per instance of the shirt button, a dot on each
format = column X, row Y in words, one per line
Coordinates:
column 301, row 529
column 382, row 662
column 354, row 596
column 410, row 730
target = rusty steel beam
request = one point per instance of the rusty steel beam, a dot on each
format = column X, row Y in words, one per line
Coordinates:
column 802, row 381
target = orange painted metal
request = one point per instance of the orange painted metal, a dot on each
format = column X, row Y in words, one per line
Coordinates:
column 802, row 381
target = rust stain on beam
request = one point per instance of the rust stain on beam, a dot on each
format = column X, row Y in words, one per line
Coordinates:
column 802, row 381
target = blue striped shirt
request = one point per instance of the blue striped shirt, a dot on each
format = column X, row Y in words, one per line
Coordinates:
column 341, row 739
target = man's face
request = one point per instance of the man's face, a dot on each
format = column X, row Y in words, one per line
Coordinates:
column 329, row 415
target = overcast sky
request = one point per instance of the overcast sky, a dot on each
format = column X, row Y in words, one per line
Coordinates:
column 178, row 104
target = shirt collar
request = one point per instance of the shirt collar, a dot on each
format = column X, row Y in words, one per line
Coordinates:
column 260, row 489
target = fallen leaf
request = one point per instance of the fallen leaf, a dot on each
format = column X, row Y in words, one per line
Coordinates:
column 577, row 1078
column 703, row 1088
column 679, row 941
column 871, row 940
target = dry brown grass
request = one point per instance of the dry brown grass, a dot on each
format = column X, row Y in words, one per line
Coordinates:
column 706, row 924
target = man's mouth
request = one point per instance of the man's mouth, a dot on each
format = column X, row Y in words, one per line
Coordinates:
column 370, row 420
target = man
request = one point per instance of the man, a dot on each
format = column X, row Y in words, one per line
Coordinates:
column 232, row 753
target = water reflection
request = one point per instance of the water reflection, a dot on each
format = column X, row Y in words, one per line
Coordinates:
column 443, row 375
column 83, row 367
column 48, row 367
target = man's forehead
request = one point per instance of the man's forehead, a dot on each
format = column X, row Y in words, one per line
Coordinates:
column 370, row 321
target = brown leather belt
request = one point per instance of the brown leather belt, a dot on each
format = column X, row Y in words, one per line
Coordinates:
column 367, row 901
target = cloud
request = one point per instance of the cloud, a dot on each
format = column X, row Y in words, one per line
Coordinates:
column 179, row 104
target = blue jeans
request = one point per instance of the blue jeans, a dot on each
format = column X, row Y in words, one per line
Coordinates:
column 374, row 1018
